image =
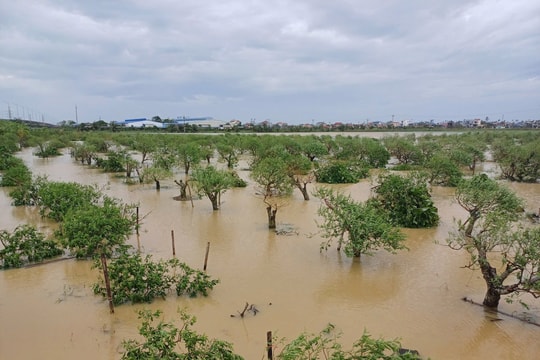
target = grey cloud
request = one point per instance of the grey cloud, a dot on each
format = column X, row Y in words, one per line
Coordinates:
column 230, row 59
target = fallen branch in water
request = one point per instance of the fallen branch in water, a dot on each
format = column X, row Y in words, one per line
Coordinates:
column 45, row 262
column 497, row 311
column 247, row 308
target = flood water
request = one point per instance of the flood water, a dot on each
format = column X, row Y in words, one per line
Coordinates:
column 50, row 312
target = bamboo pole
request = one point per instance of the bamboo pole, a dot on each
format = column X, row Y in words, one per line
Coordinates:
column 173, row 247
column 107, row 282
column 189, row 189
column 137, row 225
column 206, row 255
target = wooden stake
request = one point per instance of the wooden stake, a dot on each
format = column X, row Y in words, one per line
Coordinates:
column 172, row 239
column 269, row 349
column 137, row 225
column 190, row 196
column 107, row 282
column 206, row 256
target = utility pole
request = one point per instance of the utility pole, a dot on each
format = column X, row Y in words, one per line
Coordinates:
column 9, row 112
column 76, row 115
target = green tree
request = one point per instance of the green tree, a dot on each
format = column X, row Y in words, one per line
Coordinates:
column 14, row 171
column 362, row 150
column 56, row 198
column 84, row 153
column 341, row 172
column 518, row 161
column 407, row 200
column 312, row 147
column 23, row 136
column 188, row 154
column 325, row 345
column 212, row 183
column 164, row 340
column 361, row 228
column 404, row 149
column 98, row 141
column 114, row 161
column 228, row 149
column 138, row 279
column 9, row 140
column 25, row 245
column 429, row 145
column 96, row 229
column 145, row 144
column 164, row 157
column 300, row 170
column 154, row 174
column 48, row 149
column 442, row 170
column 473, row 150
column 508, row 257
column 273, row 185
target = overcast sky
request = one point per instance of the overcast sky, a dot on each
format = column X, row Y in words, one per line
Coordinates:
column 297, row 61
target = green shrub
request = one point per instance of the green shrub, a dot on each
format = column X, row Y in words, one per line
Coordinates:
column 25, row 245
column 443, row 171
column 139, row 279
column 91, row 229
column 16, row 175
column 341, row 173
column 163, row 340
column 56, row 198
column 325, row 345
column 407, row 200
column 114, row 162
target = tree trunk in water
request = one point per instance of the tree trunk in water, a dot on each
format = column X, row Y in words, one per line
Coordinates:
column 214, row 199
column 183, row 186
column 492, row 297
column 158, row 185
column 303, row 190
column 271, row 217
column 489, row 273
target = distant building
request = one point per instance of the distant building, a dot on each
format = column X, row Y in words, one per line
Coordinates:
column 141, row 123
column 202, row 122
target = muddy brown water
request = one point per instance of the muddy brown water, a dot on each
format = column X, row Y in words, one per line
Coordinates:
column 50, row 312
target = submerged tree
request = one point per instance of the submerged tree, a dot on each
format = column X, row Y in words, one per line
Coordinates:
column 188, row 154
column 26, row 245
column 211, row 182
column 361, row 228
column 508, row 256
column 56, row 198
column 138, row 279
column 183, row 190
column 407, row 200
column 325, row 345
column 153, row 173
column 164, row 340
column 97, row 229
column 274, row 185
